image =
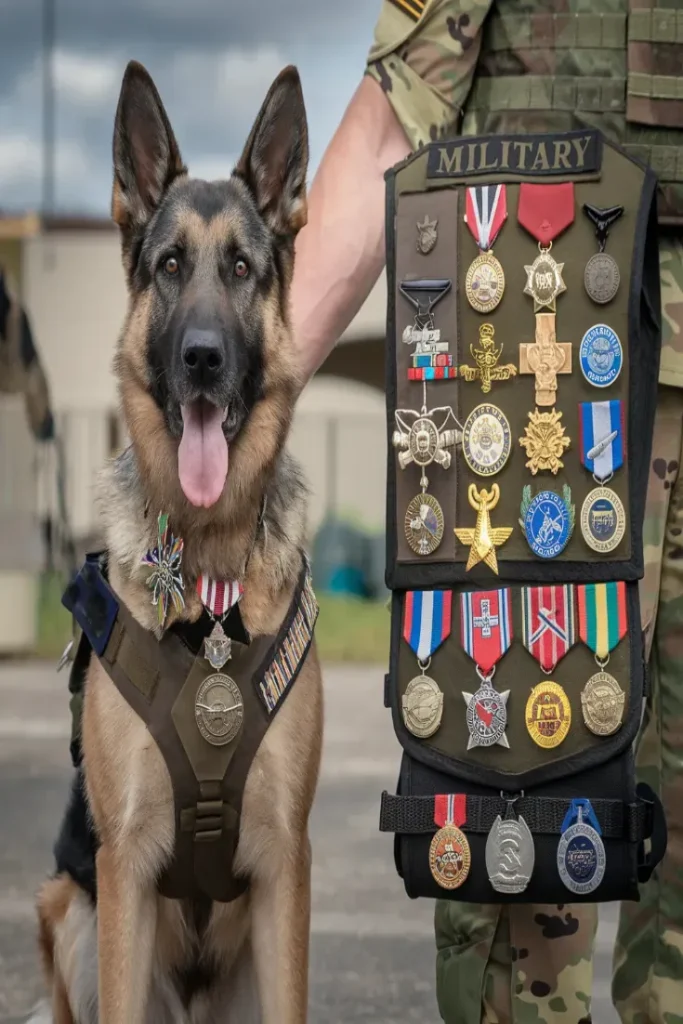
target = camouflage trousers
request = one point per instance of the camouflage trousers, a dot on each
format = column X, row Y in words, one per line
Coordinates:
column 533, row 964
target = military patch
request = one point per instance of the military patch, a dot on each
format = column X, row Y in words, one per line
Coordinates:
column 413, row 8
column 291, row 650
column 601, row 356
column 547, row 520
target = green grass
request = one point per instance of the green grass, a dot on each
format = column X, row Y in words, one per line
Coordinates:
column 349, row 629
column 54, row 621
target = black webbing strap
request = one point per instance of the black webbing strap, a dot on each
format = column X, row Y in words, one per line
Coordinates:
column 543, row 815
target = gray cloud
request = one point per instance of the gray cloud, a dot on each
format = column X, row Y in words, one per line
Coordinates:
column 212, row 61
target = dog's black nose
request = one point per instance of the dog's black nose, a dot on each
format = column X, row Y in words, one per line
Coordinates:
column 202, row 354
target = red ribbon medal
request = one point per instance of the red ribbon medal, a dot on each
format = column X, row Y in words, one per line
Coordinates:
column 449, row 852
column 548, row 623
column 545, row 211
column 486, row 626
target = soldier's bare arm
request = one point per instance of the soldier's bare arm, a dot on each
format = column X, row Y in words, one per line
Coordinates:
column 418, row 76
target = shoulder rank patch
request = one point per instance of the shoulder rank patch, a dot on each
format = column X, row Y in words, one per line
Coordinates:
column 413, row 8
column 291, row 650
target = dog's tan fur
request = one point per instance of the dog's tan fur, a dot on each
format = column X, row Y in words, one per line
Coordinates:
column 259, row 942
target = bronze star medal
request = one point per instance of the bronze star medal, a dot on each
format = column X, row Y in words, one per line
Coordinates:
column 545, row 441
column 484, row 538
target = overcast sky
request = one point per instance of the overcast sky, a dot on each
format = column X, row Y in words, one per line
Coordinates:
column 212, row 61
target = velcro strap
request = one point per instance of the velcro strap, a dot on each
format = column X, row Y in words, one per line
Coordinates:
column 656, row 25
column 544, row 815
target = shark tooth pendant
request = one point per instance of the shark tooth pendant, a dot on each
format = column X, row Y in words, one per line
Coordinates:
column 217, row 647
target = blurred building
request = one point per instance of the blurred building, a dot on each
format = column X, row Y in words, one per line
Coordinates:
column 68, row 274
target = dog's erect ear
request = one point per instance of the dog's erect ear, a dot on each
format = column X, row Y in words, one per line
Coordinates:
column 146, row 154
column 275, row 158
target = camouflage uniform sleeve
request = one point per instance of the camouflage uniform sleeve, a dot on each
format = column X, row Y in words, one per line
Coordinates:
column 426, row 66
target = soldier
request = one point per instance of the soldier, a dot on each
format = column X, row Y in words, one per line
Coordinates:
column 442, row 67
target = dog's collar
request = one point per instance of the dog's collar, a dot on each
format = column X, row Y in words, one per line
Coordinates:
column 94, row 606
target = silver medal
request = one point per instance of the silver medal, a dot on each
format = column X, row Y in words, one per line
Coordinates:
column 217, row 647
column 510, row 854
column 581, row 857
column 487, row 716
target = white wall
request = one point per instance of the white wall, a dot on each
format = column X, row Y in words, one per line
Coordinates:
column 73, row 288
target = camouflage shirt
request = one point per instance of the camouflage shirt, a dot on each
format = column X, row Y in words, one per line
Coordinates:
column 426, row 57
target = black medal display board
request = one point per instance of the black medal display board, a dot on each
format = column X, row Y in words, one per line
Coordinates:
column 523, row 340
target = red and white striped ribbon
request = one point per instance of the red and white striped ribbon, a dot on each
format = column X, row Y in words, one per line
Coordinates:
column 218, row 596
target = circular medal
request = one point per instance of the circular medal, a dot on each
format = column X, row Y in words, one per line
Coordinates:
column 423, row 524
column 602, row 703
column 548, row 524
column 601, row 278
column 423, row 441
column 449, row 857
column 422, row 705
column 603, row 520
column 548, row 714
column 601, row 356
column 484, row 283
column 219, row 709
column 581, row 858
column 487, row 717
column 486, row 440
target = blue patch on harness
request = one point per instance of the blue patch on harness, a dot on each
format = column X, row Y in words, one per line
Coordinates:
column 92, row 603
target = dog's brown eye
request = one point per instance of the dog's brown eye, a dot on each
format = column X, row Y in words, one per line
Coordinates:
column 171, row 266
column 241, row 268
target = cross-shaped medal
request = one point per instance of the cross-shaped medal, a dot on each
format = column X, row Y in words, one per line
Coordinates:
column 485, row 620
column 545, row 357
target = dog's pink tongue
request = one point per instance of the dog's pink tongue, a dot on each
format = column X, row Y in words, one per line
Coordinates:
column 203, row 453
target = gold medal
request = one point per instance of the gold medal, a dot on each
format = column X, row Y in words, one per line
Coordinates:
column 544, row 281
column 449, row 857
column 545, row 357
column 484, row 538
column 424, row 524
column 602, row 703
column 603, row 520
column 484, row 283
column 486, row 359
column 544, row 441
column 548, row 714
column 422, row 706
column 486, row 440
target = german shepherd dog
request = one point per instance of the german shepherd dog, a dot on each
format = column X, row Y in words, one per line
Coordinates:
column 207, row 378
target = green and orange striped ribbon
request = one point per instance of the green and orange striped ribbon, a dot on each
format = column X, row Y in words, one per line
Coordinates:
column 602, row 615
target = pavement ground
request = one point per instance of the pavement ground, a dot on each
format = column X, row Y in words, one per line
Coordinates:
column 372, row 956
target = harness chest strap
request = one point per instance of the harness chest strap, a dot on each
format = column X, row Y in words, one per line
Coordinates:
column 160, row 680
